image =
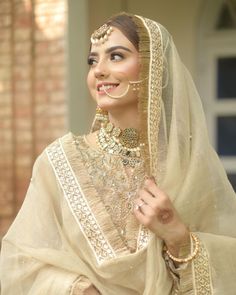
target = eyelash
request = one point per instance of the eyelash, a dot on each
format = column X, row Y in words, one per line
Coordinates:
column 120, row 55
column 92, row 60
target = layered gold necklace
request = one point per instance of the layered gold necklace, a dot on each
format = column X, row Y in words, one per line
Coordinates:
column 124, row 143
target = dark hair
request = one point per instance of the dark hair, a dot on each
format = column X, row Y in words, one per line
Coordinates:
column 127, row 26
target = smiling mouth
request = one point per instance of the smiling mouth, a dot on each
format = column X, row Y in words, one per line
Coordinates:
column 106, row 87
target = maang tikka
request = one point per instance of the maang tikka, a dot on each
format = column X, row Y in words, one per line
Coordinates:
column 101, row 35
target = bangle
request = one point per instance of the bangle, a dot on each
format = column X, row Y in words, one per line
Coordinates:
column 191, row 256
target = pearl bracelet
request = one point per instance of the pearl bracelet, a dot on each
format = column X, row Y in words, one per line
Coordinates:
column 191, row 256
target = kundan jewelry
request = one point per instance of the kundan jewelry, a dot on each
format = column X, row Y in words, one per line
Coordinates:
column 124, row 143
column 101, row 35
column 101, row 115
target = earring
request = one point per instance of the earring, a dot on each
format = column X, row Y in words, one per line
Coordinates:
column 101, row 115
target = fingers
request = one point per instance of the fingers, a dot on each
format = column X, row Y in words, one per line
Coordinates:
column 143, row 214
column 153, row 203
column 146, row 196
column 152, row 188
column 150, row 195
column 144, row 208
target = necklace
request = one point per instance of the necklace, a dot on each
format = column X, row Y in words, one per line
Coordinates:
column 124, row 143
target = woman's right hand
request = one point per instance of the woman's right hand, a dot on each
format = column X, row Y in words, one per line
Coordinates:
column 91, row 291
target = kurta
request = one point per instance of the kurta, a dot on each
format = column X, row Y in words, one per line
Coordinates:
column 69, row 226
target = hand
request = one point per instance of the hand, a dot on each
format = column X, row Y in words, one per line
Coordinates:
column 91, row 291
column 155, row 210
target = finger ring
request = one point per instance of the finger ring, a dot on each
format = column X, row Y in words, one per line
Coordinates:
column 138, row 206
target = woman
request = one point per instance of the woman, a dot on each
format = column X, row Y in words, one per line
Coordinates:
column 141, row 205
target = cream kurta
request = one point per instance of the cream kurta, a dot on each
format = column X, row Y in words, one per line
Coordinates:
column 63, row 231
column 57, row 235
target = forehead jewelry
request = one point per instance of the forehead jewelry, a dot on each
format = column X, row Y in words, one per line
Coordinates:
column 101, row 35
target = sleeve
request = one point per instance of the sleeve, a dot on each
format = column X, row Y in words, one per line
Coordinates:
column 212, row 271
column 181, row 273
column 194, row 275
column 36, row 256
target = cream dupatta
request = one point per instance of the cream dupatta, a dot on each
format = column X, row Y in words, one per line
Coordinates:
column 57, row 236
column 185, row 165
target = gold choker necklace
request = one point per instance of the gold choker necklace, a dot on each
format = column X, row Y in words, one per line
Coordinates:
column 123, row 143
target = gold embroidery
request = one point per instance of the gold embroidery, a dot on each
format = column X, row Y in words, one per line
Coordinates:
column 143, row 237
column 78, row 204
column 116, row 190
column 202, row 273
column 155, row 92
column 80, row 207
column 193, row 277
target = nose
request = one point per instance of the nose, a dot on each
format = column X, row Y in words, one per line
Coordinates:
column 101, row 70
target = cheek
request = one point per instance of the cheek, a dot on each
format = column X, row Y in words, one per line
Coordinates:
column 133, row 70
column 91, row 84
column 129, row 72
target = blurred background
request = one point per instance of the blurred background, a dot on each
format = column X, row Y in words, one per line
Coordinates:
column 43, row 65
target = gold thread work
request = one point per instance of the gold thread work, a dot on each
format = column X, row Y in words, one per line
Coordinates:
column 78, row 204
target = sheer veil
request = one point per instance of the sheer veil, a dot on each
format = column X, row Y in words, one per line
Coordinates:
column 181, row 157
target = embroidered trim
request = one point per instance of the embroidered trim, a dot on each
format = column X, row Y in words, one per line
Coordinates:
column 143, row 237
column 155, row 91
column 135, row 240
column 78, row 204
column 201, row 268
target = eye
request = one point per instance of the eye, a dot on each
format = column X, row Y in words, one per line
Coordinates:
column 116, row 56
column 91, row 61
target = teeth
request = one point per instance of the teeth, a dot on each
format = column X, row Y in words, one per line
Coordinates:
column 106, row 87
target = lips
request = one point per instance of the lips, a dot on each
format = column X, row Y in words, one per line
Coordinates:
column 107, row 86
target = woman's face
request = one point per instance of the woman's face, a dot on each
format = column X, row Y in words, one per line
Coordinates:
column 113, row 64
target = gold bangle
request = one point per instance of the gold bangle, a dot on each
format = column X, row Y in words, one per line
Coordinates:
column 191, row 256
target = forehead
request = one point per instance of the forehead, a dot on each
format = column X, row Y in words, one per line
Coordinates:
column 116, row 38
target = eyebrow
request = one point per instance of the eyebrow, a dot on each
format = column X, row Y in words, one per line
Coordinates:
column 109, row 50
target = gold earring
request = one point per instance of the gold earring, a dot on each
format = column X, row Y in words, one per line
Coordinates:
column 101, row 115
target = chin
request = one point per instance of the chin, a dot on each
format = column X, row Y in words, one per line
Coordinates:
column 107, row 106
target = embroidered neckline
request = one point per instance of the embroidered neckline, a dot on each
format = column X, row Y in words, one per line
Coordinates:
column 102, row 238
column 110, row 179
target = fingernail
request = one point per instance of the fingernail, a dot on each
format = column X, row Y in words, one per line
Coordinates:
column 153, row 179
column 149, row 179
